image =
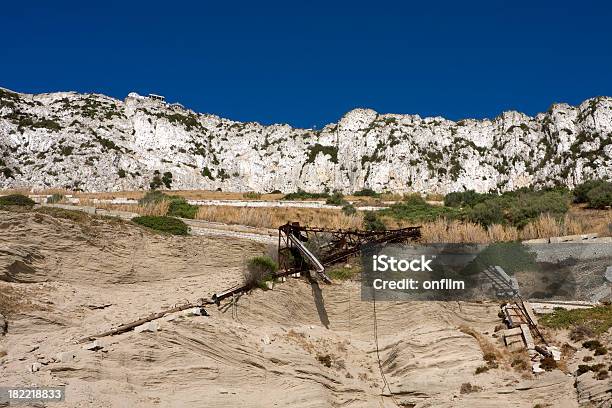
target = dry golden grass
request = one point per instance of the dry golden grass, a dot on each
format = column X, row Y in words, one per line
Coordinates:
column 14, row 300
column 577, row 221
column 274, row 217
column 187, row 194
column 28, row 191
column 489, row 351
column 160, row 208
column 452, row 231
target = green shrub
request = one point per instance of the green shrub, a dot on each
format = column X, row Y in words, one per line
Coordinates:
column 481, row 369
column 207, row 173
column 528, row 207
column 259, row 270
column 303, row 195
column 167, row 179
column 486, row 213
column 330, row 151
column 349, row 209
column 372, row 222
column 467, row 198
column 121, row 173
column 251, row 195
column 366, row 192
column 17, row 200
column 581, row 190
column 415, row 208
column 179, row 207
column 55, row 198
column 517, row 208
column 600, row 196
column 169, row 225
column 341, row 273
column 156, row 182
column 336, row 199
column 152, row 197
column 597, row 319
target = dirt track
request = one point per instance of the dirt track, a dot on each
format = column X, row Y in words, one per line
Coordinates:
column 297, row 345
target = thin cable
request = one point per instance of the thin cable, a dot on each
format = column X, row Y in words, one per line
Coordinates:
column 382, row 374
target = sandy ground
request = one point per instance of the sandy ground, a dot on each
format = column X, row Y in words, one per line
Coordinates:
column 299, row 345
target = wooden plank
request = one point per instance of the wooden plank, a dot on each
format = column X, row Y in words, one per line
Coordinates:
column 514, row 340
column 530, row 312
column 527, row 337
column 512, row 332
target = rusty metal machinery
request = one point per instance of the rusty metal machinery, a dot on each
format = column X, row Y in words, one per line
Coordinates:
column 302, row 248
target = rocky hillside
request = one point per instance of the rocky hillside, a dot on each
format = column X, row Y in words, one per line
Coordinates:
column 93, row 142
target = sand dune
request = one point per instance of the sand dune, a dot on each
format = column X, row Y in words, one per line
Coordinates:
column 299, row 345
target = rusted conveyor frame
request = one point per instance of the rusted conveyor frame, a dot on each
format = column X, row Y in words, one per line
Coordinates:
column 363, row 238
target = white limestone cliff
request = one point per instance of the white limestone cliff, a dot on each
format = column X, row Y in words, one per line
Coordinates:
column 96, row 143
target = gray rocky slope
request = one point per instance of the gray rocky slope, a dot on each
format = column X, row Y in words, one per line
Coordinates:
column 97, row 143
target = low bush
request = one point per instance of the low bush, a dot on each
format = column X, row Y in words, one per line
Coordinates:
column 415, row 208
column 486, row 213
column 518, row 208
column 152, row 197
column 527, row 207
column 371, row 222
column 179, row 207
column 349, row 209
column 72, row 215
column 169, row 225
column 581, row 190
column 585, row 368
column 336, row 199
column 259, row 270
column 548, row 363
column 481, row 369
column 341, row 273
column 600, row 196
column 55, row 198
column 580, row 332
column 18, row 200
column 303, row 195
column 251, row 195
column 467, row 198
column 467, row 388
column 597, row 319
column 366, row 192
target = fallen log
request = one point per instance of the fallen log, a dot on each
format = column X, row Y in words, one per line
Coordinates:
column 129, row 326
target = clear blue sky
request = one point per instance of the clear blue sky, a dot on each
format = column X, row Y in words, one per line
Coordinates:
column 307, row 63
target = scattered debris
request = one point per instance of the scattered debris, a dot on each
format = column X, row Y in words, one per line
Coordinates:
column 555, row 352
column 102, row 306
column 94, row 346
column 147, row 327
column 195, row 311
column 65, row 357
column 35, row 367
column 265, row 339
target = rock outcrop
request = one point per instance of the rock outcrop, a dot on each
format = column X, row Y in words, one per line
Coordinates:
column 96, row 143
